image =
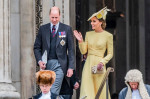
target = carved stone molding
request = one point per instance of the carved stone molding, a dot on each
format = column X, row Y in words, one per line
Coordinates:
column 7, row 91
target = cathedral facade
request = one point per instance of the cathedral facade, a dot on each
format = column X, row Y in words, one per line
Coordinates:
column 19, row 24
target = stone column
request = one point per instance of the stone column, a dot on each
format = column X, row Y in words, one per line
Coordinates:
column 7, row 91
column 28, row 66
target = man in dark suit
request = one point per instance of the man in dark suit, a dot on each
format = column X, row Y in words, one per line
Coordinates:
column 57, row 40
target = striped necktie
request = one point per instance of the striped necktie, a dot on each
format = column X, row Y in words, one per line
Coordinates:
column 53, row 31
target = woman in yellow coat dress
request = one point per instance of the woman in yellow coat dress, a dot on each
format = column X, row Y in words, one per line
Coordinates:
column 96, row 43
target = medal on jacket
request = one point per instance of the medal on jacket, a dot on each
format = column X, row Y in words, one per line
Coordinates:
column 62, row 34
column 62, row 42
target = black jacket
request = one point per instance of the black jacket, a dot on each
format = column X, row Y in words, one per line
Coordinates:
column 67, row 87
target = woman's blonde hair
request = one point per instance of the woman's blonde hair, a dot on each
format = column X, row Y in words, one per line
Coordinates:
column 45, row 77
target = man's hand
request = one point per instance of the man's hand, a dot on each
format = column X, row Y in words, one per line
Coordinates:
column 76, row 86
column 42, row 65
column 69, row 72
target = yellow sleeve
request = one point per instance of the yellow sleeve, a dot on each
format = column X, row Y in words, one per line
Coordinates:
column 84, row 45
column 109, row 47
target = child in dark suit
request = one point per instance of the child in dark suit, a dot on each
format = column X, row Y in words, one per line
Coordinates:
column 45, row 79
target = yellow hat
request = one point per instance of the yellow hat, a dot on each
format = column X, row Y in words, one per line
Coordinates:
column 100, row 14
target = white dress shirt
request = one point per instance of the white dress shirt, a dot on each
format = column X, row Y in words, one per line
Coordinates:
column 46, row 96
column 136, row 94
column 56, row 26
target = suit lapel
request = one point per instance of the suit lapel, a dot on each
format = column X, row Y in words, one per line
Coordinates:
column 59, row 30
column 38, row 96
column 48, row 31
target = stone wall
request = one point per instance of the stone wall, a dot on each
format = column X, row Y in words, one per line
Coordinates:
column 15, row 43
column 7, row 91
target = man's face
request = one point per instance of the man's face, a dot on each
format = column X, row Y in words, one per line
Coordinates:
column 54, row 16
column 134, row 85
column 45, row 88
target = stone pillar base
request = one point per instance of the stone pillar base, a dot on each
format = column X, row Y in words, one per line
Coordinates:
column 7, row 91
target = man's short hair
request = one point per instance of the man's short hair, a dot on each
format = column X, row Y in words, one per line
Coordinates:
column 51, row 9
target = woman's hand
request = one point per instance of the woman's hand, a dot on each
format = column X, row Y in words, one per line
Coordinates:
column 78, row 36
column 100, row 66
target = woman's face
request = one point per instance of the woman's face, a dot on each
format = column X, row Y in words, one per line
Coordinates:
column 96, row 24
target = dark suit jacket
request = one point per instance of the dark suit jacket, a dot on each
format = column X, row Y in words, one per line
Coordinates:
column 67, row 89
column 53, row 96
column 65, row 54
